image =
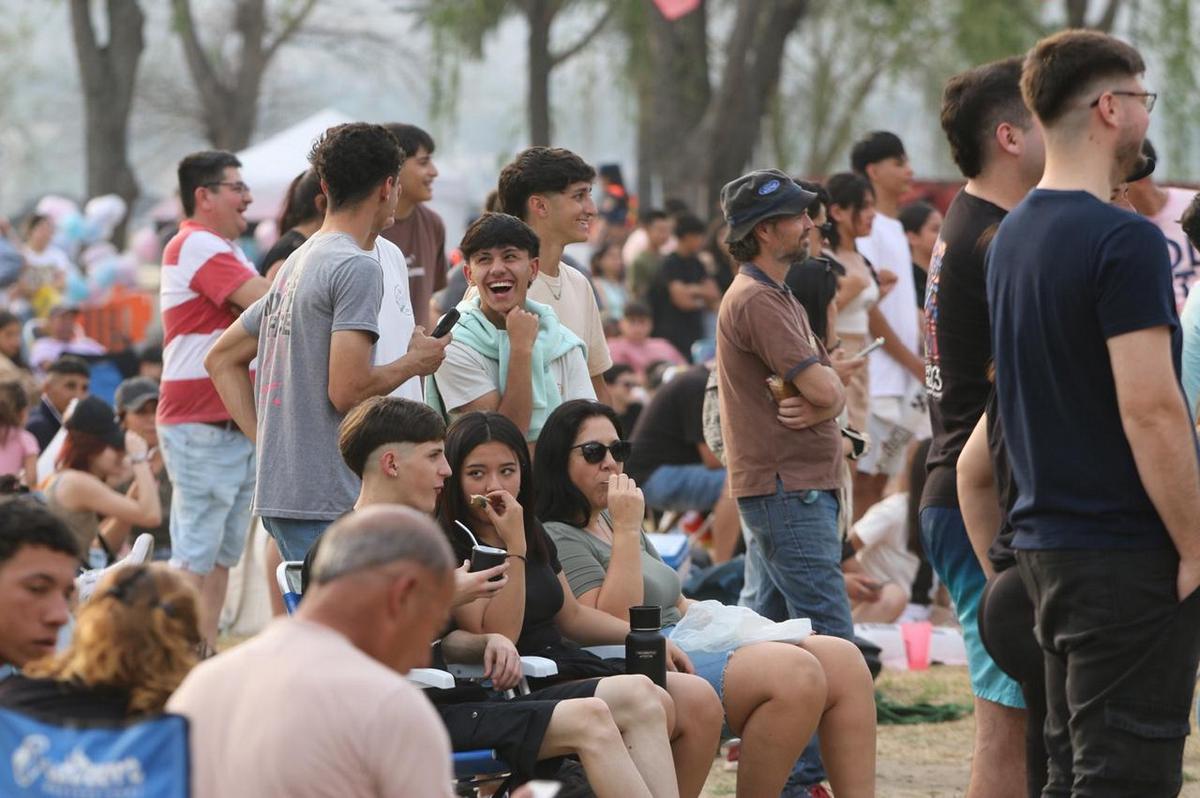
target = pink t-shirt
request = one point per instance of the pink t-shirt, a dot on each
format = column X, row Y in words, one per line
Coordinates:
column 1185, row 261
column 640, row 356
column 15, row 445
column 299, row 710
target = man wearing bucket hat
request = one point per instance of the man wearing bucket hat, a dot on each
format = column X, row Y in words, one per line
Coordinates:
column 784, row 460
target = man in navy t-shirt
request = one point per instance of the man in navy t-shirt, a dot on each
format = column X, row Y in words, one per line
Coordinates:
column 1086, row 344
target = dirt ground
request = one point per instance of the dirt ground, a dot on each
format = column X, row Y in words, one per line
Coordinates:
column 933, row 760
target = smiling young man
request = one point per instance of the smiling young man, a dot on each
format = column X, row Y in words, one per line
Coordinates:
column 510, row 353
column 38, row 561
column 1099, row 439
column 206, row 282
column 67, row 378
column 418, row 231
column 314, row 334
column 550, row 189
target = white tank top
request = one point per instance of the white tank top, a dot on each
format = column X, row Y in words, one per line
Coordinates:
column 852, row 319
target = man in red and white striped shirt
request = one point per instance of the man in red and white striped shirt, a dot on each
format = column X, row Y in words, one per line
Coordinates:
column 206, row 282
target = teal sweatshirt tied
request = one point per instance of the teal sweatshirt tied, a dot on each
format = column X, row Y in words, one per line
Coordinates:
column 554, row 340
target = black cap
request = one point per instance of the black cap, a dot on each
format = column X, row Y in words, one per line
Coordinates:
column 95, row 416
column 1145, row 168
column 135, row 392
column 761, row 195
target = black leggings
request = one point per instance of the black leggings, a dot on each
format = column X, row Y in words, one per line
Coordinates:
column 1006, row 619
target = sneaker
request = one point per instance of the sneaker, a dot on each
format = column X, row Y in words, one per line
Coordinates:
column 819, row 791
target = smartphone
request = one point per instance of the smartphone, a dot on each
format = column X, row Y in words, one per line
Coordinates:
column 869, row 348
column 447, row 323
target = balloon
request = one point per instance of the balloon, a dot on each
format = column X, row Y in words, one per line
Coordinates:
column 77, row 288
column 56, row 207
column 144, row 246
column 266, row 233
column 104, row 213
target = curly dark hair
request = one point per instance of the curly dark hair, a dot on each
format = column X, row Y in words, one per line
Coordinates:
column 27, row 522
column 353, row 159
column 1190, row 222
column 540, row 170
column 492, row 230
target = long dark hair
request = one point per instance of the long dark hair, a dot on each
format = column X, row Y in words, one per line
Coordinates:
column 814, row 282
column 464, row 436
column 846, row 190
column 300, row 203
column 558, row 498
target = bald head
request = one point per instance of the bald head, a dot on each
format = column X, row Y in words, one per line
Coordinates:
column 380, row 535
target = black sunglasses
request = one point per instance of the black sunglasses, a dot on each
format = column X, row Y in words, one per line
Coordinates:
column 593, row 451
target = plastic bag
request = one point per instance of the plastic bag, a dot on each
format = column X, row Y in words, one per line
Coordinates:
column 713, row 626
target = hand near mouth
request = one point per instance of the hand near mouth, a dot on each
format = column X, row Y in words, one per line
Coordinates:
column 522, row 328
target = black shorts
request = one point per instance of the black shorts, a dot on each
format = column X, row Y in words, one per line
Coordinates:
column 515, row 728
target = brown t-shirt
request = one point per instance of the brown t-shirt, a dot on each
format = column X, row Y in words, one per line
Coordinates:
column 422, row 239
column 763, row 330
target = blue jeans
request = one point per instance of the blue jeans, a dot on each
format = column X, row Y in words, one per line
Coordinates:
column 794, row 570
column 294, row 536
column 684, row 487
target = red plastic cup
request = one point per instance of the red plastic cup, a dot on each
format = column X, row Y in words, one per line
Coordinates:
column 917, row 636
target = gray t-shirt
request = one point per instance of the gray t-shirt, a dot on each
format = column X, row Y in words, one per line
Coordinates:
column 326, row 285
column 585, row 558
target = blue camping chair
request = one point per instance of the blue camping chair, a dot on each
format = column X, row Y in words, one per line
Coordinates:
column 146, row 759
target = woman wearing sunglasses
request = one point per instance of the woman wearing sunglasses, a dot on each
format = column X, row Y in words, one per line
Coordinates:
column 775, row 695
column 535, row 609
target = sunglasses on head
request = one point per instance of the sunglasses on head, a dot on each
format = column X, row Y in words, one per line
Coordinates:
column 593, row 451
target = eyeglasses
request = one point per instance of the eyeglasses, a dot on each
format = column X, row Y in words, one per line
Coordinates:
column 239, row 186
column 593, row 451
column 1148, row 98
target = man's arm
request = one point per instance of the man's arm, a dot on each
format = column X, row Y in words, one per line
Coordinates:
column 353, row 377
column 977, row 496
column 821, row 386
column 1159, row 431
column 249, row 292
column 228, row 364
column 879, row 327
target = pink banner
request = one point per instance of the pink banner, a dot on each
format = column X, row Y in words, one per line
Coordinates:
column 674, row 9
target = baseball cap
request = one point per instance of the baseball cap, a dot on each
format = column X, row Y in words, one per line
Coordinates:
column 95, row 416
column 760, row 195
column 135, row 392
column 64, row 307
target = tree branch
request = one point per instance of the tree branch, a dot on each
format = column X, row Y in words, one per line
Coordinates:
column 585, row 39
column 205, row 77
column 90, row 59
column 290, row 29
column 1109, row 17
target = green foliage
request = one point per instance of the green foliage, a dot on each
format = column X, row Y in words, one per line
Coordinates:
column 466, row 22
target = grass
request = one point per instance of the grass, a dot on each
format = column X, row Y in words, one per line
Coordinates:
column 933, row 760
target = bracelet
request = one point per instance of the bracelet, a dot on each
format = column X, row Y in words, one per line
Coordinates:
column 520, row 557
column 139, row 459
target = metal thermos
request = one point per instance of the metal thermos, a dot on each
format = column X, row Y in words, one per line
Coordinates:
column 645, row 647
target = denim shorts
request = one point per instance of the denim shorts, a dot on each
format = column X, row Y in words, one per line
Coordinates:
column 294, row 536
column 684, row 487
column 949, row 550
column 710, row 665
column 212, row 483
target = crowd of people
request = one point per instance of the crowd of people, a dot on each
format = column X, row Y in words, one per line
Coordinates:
column 866, row 403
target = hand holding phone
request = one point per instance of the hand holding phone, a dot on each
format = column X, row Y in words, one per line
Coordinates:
column 447, row 323
column 871, row 347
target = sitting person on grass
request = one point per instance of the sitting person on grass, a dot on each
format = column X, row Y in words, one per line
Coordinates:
column 509, row 353
column 776, row 695
column 536, row 609
column 135, row 640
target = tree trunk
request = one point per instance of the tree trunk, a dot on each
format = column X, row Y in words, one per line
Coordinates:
column 540, row 14
column 704, row 156
column 108, row 74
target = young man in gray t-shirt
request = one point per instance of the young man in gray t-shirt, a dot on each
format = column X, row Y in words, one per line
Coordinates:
column 313, row 334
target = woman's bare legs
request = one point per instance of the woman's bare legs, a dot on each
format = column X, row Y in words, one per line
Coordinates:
column 637, row 708
column 584, row 726
column 695, row 728
column 848, row 724
column 774, row 696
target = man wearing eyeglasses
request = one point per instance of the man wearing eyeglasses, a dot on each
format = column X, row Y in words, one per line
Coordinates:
column 1086, row 344
column 206, row 282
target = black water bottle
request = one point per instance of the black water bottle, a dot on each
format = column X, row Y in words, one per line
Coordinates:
column 645, row 647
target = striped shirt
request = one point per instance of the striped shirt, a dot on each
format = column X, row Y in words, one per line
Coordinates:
column 200, row 271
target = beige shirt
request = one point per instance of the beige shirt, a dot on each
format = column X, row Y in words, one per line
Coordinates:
column 574, row 301
column 299, row 711
column 763, row 330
